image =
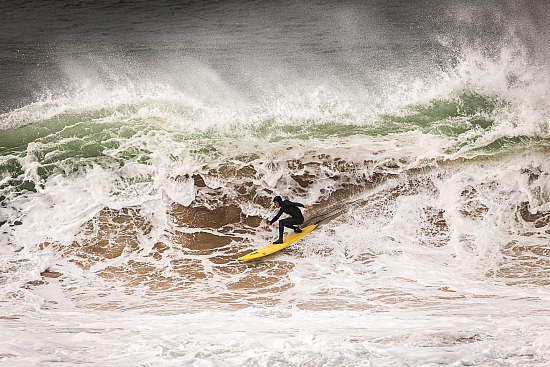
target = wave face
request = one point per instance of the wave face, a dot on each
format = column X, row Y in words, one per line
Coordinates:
column 145, row 159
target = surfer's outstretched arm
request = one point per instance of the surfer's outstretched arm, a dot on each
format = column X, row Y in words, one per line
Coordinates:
column 270, row 222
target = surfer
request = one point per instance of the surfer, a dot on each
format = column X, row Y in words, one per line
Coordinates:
column 290, row 208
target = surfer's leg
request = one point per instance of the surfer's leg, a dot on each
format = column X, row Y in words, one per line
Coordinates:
column 291, row 223
column 296, row 228
column 287, row 222
column 281, row 230
column 296, row 221
column 282, row 224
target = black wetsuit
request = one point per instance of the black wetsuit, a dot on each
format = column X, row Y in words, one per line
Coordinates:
column 295, row 213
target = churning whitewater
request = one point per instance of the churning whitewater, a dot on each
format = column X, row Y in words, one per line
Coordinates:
column 141, row 148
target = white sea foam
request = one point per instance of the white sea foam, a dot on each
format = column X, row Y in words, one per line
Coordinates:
column 373, row 287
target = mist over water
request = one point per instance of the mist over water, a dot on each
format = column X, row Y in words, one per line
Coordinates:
column 141, row 146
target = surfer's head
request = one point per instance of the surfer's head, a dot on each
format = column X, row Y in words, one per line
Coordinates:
column 277, row 201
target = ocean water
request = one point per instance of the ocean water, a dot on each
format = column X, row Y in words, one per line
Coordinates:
column 141, row 144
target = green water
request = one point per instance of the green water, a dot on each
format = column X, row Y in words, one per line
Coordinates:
column 70, row 143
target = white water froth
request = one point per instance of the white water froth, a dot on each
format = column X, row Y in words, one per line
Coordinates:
column 256, row 337
column 372, row 289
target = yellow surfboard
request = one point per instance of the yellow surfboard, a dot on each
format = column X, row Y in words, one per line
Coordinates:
column 271, row 248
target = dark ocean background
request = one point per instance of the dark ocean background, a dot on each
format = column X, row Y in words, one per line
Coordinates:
column 49, row 47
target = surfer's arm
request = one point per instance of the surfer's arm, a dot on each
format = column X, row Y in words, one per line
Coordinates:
column 276, row 217
column 270, row 222
column 306, row 206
